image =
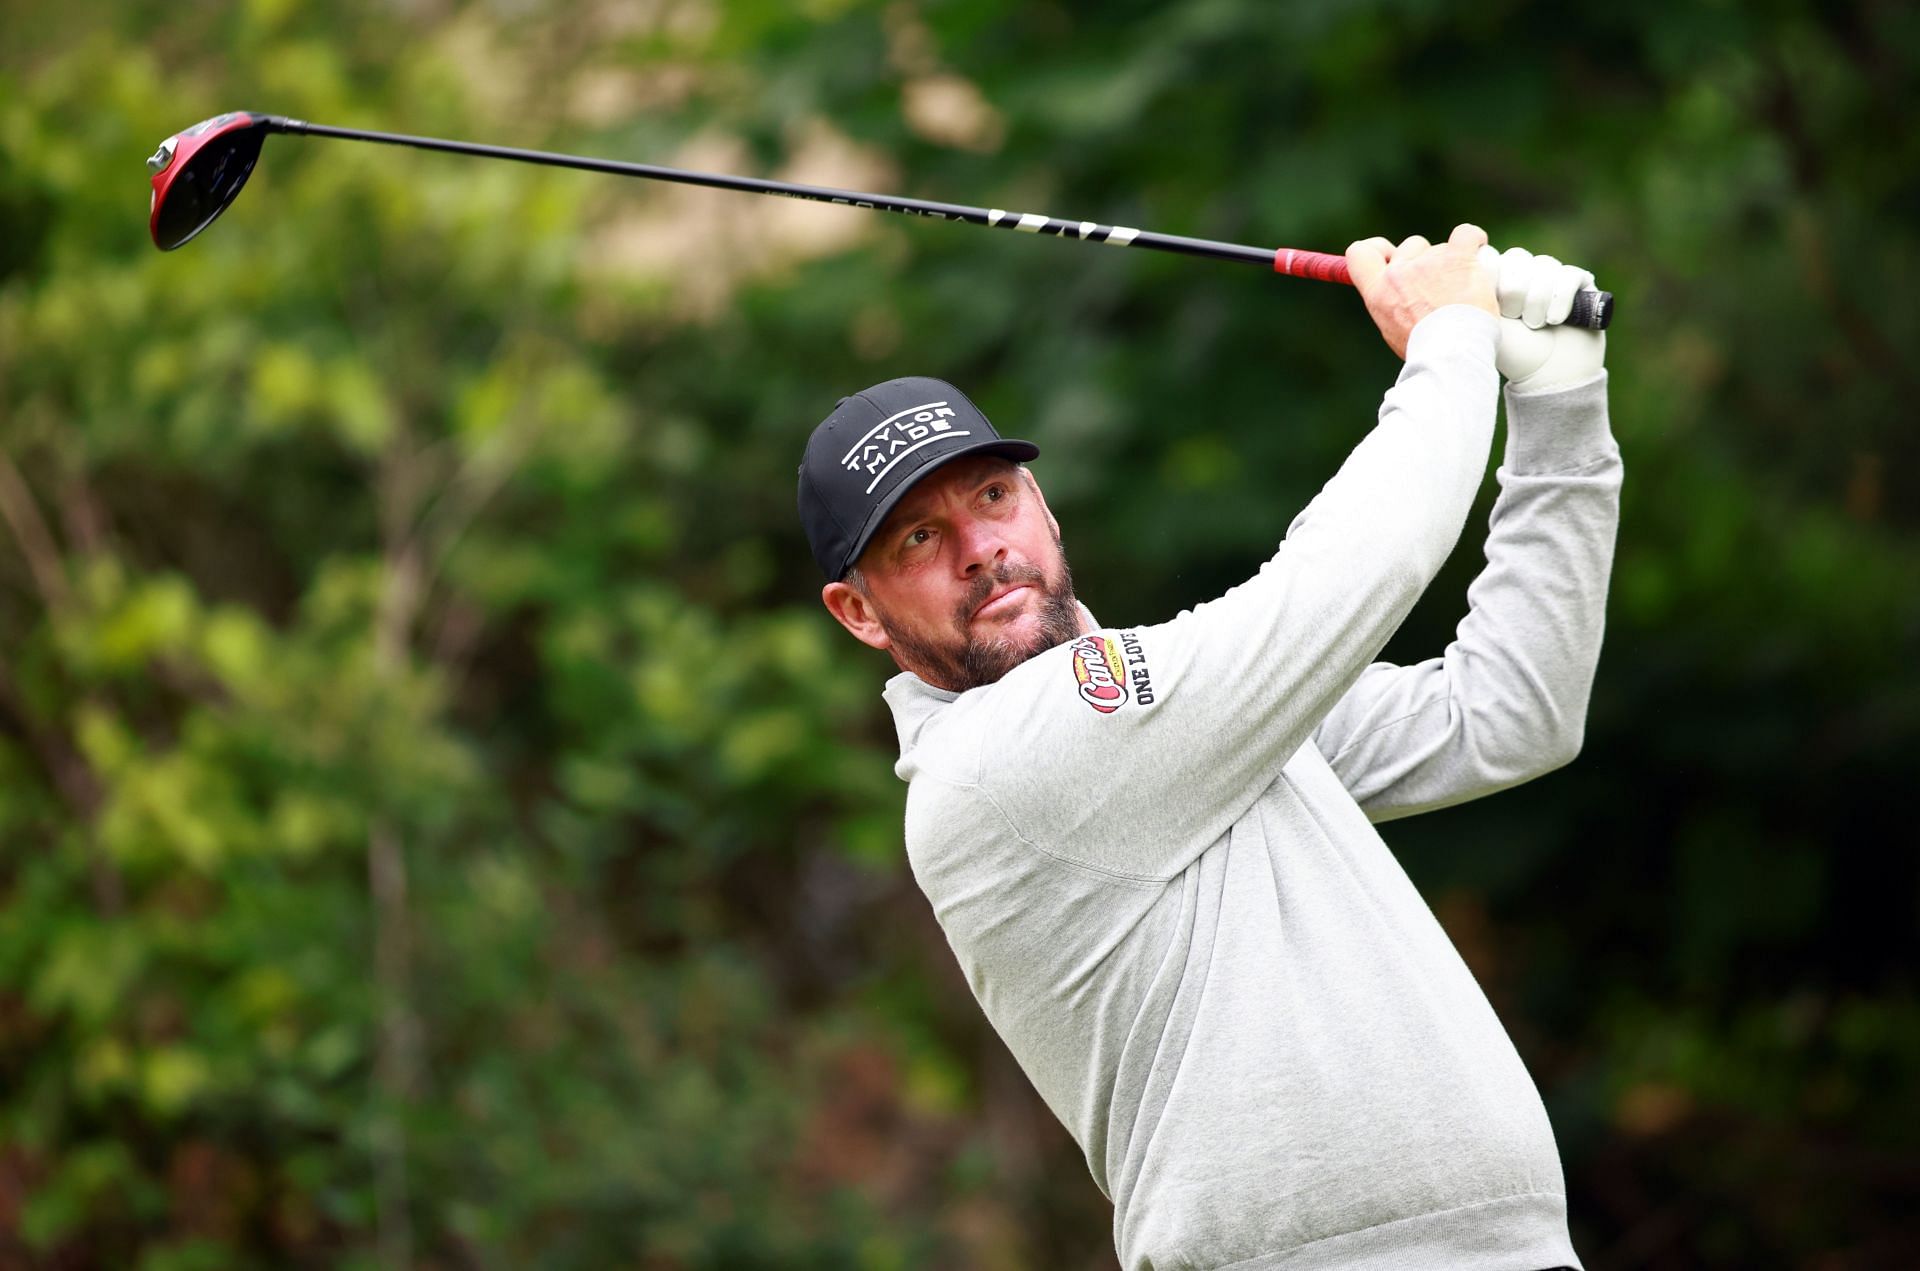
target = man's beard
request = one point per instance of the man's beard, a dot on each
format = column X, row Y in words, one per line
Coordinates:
column 983, row 660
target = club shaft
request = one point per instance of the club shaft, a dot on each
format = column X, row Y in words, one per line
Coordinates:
column 1118, row 235
column 1591, row 308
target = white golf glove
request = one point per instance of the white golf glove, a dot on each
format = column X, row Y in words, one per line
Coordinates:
column 1536, row 353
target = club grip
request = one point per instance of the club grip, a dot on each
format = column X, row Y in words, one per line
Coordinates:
column 1321, row 265
column 1591, row 309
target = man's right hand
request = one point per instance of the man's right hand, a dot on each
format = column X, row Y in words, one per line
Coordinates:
column 1403, row 284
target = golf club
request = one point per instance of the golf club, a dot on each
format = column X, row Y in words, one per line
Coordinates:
column 197, row 173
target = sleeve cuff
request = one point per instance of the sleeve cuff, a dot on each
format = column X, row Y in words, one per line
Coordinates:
column 1561, row 430
column 1454, row 329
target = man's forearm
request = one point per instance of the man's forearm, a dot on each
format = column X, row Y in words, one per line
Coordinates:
column 1522, row 663
column 1539, row 606
column 1507, row 701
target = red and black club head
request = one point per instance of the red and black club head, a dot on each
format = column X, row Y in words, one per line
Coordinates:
column 197, row 172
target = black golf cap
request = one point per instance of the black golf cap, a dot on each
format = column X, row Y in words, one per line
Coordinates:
column 865, row 456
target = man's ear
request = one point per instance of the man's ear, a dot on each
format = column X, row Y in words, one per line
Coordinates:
column 1034, row 486
column 856, row 613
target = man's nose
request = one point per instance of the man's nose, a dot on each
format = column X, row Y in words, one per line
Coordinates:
column 982, row 547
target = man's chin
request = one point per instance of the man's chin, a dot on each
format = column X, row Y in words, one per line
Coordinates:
column 1021, row 627
column 994, row 644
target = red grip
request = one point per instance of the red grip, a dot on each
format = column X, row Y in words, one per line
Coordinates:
column 1303, row 264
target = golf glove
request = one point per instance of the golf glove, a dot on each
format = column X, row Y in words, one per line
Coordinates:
column 1537, row 354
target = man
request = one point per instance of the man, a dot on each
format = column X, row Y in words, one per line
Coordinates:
column 1152, row 848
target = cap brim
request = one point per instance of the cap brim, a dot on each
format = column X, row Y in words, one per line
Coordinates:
column 1009, row 447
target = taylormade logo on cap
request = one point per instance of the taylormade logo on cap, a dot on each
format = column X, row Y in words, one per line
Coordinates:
column 899, row 435
column 871, row 450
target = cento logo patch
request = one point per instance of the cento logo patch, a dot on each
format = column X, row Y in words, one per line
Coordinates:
column 1097, row 668
column 1104, row 669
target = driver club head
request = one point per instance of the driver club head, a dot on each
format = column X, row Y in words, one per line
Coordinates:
column 199, row 171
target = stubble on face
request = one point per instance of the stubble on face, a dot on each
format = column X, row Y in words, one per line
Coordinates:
column 969, row 661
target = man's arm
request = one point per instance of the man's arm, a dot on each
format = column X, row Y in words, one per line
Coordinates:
column 1507, row 701
column 1218, row 699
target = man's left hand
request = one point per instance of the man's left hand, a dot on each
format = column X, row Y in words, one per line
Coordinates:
column 1537, row 354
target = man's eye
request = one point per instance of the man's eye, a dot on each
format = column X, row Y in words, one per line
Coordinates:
column 919, row 536
column 995, row 493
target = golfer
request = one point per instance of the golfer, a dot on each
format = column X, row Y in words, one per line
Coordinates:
column 1152, row 848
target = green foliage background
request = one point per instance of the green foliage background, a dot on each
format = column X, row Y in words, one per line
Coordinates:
column 438, row 826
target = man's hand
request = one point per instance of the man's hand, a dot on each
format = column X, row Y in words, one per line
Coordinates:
column 1404, row 284
column 1537, row 354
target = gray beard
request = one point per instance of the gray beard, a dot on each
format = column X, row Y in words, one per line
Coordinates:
column 975, row 662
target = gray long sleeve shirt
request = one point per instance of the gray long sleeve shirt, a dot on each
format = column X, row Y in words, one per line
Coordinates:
column 1152, row 850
